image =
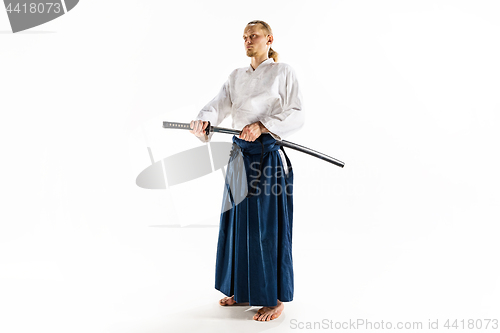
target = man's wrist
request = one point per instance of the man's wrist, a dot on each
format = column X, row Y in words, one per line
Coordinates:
column 263, row 128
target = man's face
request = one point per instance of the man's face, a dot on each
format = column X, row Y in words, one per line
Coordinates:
column 255, row 41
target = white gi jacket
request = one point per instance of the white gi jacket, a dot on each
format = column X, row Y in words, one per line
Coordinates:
column 269, row 93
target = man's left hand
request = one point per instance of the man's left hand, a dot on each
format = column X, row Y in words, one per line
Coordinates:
column 252, row 131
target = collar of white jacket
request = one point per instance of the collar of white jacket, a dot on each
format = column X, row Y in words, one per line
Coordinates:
column 265, row 62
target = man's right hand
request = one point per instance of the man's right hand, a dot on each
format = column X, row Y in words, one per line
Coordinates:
column 198, row 127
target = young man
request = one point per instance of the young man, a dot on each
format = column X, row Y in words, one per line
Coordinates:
column 254, row 251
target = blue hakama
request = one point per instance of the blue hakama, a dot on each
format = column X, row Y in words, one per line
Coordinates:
column 254, row 250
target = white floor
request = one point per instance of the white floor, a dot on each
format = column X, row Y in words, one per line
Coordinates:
column 160, row 279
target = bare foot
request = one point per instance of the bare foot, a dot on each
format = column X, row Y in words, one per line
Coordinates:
column 268, row 313
column 230, row 301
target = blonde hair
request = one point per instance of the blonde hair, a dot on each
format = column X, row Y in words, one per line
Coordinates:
column 264, row 26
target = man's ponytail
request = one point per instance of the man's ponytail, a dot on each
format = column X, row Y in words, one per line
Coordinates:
column 273, row 54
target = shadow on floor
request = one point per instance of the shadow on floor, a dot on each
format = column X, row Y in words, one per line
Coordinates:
column 208, row 317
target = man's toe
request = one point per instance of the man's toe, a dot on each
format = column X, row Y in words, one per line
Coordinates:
column 224, row 300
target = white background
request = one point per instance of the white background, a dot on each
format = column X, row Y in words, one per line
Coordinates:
column 406, row 93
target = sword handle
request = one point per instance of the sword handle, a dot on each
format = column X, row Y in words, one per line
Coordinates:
column 207, row 130
column 171, row 124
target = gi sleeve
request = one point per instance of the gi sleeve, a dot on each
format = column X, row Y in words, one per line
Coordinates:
column 216, row 110
column 291, row 116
